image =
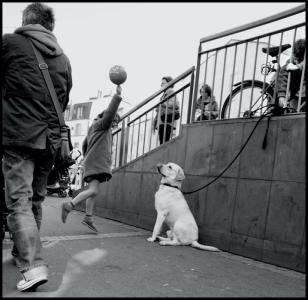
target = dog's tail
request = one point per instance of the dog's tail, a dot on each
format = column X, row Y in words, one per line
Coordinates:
column 195, row 244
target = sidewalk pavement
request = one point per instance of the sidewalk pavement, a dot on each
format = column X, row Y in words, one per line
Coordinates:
column 119, row 262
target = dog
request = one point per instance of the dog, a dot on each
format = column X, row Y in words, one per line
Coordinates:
column 172, row 208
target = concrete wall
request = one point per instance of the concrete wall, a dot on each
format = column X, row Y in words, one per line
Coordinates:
column 256, row 209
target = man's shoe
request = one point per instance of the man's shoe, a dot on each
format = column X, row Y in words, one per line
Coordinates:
column 66, row 208
column 33, row 278
column 90, row 224
column 27, row 285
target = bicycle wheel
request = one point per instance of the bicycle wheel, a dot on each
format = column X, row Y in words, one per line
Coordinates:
column 236, row 105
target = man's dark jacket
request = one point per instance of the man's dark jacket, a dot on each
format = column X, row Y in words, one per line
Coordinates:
column 28, row 115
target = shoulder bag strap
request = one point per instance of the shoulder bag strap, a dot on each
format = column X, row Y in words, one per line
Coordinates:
column 44, row 69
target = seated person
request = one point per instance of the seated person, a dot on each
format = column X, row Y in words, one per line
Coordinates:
column 206, row 104
column 293, row 68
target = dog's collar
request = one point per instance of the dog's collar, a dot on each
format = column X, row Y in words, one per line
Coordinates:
column 167, row 184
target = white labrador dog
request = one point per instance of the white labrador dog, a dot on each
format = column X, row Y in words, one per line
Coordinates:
column 173, row 209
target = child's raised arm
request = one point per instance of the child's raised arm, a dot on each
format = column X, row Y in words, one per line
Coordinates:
column 111, row 111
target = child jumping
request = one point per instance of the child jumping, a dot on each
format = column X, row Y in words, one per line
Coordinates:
column 97, row 151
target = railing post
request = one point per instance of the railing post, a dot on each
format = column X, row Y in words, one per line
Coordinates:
column 125, row 142
column 123, row 133
column 191, row 104
column 196, row 81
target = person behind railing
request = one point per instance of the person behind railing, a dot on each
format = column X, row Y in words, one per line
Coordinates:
column 293, row 68
column 171, row 107
column 206, row 106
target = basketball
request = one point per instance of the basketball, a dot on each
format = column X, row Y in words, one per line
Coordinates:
column 117, row 75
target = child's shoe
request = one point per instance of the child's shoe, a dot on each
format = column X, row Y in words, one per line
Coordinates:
column 88, row 222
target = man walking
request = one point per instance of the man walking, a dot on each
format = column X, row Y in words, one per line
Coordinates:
column 30, row 132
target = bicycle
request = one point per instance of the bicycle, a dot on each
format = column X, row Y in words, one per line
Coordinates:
column 237, row 104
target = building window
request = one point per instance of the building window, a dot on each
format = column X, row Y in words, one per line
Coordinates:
column 78, row 129
column 79, row 112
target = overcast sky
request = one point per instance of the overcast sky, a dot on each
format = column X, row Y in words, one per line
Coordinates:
column 150, row 40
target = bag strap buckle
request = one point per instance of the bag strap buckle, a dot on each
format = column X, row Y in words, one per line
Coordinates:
column 43, row 66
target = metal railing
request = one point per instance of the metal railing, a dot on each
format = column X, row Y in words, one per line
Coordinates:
column 231, row 70
column 242, row 73
column 137, row 135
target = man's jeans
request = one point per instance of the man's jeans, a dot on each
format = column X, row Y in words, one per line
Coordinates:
column 26, row 172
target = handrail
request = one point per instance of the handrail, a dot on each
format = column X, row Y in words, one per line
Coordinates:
column 128, row 120
column 246, row 27
column 170, row 83
column 270, row 19
column 161, row 102
column 127, row 129
column 239, row 42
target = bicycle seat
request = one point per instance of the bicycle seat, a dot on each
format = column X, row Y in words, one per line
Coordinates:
column 274, row 51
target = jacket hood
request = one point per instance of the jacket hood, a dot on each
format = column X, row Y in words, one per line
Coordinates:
column 42, row 38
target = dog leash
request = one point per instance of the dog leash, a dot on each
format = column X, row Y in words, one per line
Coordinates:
column 229, row 165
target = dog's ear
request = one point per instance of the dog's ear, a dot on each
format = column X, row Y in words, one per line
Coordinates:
column 180, row 175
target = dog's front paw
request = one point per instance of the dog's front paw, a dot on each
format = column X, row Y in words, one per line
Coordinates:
column 150, row 239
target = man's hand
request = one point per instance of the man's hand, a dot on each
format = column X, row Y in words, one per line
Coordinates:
column 119, row 90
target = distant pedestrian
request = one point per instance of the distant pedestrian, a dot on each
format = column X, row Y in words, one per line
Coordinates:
column 97, row 151
column 167, row 113
column 293, row 68
column 30, row 132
